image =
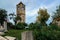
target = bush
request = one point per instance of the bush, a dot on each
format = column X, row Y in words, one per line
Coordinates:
column 21, row 25
column 47, row 33
column 33, row 26
column 53, row 27
column 9, row 25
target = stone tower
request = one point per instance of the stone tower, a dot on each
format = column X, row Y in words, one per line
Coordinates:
column 21, row 12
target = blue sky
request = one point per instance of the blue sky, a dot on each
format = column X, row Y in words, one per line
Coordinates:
column 32, row 7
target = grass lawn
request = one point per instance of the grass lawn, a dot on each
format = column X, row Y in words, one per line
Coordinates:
column 15, row 33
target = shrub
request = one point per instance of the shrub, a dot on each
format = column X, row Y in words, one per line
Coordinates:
column 47, row 33
column 33, row 26
column 21, row 25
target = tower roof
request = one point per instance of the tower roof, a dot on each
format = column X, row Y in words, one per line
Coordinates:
column 20, row 3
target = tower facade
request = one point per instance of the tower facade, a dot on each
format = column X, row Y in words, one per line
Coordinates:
column 21, row 12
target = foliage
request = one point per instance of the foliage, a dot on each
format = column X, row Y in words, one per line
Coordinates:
column 13, row 16
column 18, row 18
column 57, row 13
column 21, row 26
column 43, row 16
column 3, row 15
column 14, row 33
column 9, row 25
column 53, row 27
column 43, row 32
column 33, row 26
column 47, row 33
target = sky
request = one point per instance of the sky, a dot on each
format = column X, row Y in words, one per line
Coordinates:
column 32, row 7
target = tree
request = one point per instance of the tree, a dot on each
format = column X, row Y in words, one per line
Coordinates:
column 13, row 16
column 53, row 27
column 56, row 16
column 35, row 26
column 9, row 25
column 57, row 13
column 47, row 33
column 3, row 16
column 21, row 25
column 43, row 16
column 17, row 18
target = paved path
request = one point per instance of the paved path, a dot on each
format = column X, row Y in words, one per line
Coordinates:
column 27, row 35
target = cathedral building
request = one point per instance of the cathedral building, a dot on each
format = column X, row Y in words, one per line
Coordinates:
column 20, row 9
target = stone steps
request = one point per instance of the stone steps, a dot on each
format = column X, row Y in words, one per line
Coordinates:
column 7, row 38
column 10, row 38
column 2, row 38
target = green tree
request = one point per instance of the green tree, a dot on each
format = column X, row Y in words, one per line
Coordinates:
column 57, row 13
column 56, row 16
column 3, row 15
column 53, row 27
column 13, row 16
column 43, row 16
column 21, row 25
column 9, row 25
column 17, row 18
column 33, row 26
column 46, row 33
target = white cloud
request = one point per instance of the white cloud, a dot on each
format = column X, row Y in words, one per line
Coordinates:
column 51, row 7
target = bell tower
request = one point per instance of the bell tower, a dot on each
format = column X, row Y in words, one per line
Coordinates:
column 21, row 12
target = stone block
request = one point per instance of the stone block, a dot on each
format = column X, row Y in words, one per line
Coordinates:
column 10, row 38
column 2, row 38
